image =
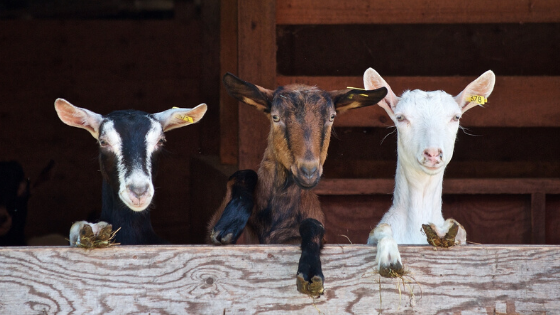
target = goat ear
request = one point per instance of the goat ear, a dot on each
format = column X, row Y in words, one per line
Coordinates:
column 78, row 117
column 349, row 99
column 482, row 86
column 248, row 93
column 372, row 80
column 180, row 117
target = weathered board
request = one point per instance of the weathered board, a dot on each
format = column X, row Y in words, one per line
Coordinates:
column 502, row 110
column 260, row 279
column 415, row 12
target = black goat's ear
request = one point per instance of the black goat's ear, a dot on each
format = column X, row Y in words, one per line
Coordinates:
column 180, row 117
column 78, row 117
column 248, row 93
column 349, row 99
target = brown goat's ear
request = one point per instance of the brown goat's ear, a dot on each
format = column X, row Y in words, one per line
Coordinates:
column 180, row 117
column 349, row 99
column 248, row 93
column 78, row 117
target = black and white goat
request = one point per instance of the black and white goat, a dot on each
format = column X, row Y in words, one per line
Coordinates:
column 129, row 144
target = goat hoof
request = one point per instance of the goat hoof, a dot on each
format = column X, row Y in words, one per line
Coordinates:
column 393, row 270
column 444, row 241
column 92, row 235
column 313, row 288
column 217, row 239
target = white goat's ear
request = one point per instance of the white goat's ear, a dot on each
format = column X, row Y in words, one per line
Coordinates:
column 477, row 91
column 372, row 80
column 180, row 117
column 78, row 117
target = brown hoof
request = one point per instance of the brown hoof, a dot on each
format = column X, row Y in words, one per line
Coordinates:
column 313, row 289
column 392, row 271
column 447, row 241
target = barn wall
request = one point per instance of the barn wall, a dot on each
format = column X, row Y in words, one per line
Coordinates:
column 102, row 65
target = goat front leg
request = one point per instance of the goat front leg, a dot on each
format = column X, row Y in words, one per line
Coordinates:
column 236, row 213
column 310, row 277
column 388, row 258
column 451, row 233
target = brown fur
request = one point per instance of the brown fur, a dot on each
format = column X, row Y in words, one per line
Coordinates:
column 301, row 122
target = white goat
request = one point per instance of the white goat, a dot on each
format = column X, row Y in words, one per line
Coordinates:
column 427, row 124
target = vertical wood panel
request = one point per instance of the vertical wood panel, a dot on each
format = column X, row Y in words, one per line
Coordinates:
column 552, row 219
column 538, row 217
column 491, row 219
column 257, row 64
column 228, row 63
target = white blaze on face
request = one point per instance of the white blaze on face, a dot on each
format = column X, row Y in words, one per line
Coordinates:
column 427, row 127
column 135, row 181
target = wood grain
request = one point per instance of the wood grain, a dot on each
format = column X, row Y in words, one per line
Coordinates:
column 260, row 280
column 538, row 218
column 414, row 12
column 257, row 64
column 368, row 186
column 534, row 103
column 492, row 219
column 229, row 116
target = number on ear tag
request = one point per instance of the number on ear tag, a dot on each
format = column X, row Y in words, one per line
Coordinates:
column 479, row 99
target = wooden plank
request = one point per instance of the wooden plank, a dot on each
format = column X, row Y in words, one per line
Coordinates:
column 552, row 219
column 368, row 186
column 257, row 64
column 491, row 219
column 229, row 119
column 488, row 219
column 538, row 218
column 415, row 12
column 260, row 279
column 534, row 103
column 340, row 166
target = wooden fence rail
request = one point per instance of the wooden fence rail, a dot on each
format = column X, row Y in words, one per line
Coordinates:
column 251, row 279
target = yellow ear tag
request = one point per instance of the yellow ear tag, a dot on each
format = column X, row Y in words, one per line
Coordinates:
column 184, row 117
column 355, row 88
column 479, row 99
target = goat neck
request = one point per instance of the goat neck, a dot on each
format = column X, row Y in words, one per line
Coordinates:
column 136, row 227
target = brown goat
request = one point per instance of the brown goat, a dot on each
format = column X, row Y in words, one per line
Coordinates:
column 277, row 206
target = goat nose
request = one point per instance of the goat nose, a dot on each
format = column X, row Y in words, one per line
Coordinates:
column 138, row 191
column 308, row 171
column 433, row 154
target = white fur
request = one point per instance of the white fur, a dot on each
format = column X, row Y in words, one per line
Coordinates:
column 427, row 126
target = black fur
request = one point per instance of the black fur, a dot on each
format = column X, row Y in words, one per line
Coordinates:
column 240, row 207
column 312, row 232
column 11, row 175
column 135, row 227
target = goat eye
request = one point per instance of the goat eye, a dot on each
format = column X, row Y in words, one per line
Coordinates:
column 161, row 142
column 103, row 143
column 400, row 118
column 275, row 118
column 332, row 117
column 456, row 117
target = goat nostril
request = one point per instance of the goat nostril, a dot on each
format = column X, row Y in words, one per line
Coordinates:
column 138, row 191
column 309, row 172
column 433, row 153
